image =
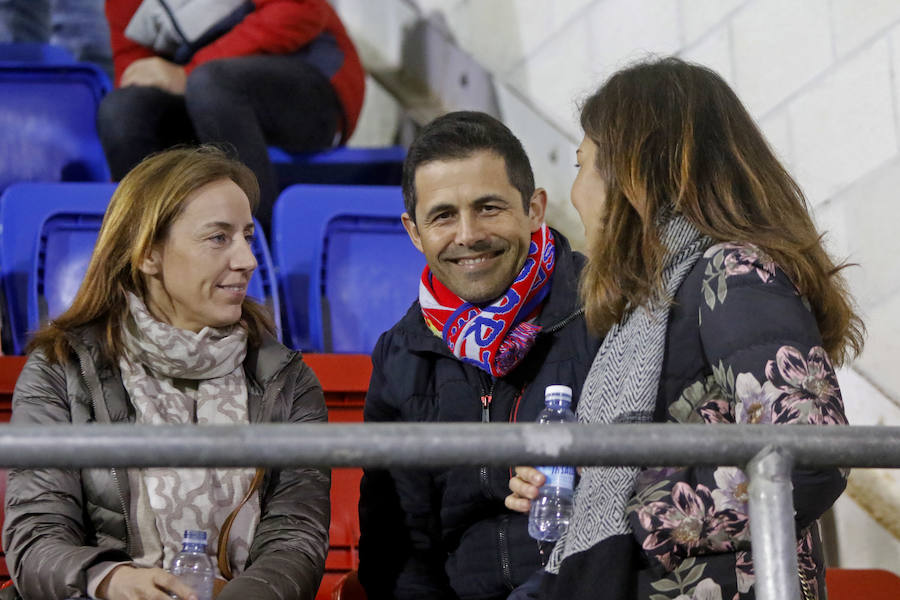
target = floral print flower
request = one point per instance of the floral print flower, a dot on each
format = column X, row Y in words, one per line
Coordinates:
column 731, row 490
column 746, row 258
column 681, row 525
column 811, row 392
column 754, row 401
column 732, row 259
column 742, row 258
column 707, row 589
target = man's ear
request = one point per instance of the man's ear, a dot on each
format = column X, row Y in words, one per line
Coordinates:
column 537, row 207
column 152, row 263
column 412, row 231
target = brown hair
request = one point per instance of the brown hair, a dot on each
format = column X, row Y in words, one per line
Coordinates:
column 145, row 204
column 673, row 136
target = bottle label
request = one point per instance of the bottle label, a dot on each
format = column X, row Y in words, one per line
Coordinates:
column 559, row 476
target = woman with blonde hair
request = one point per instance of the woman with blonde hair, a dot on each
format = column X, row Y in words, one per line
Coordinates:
column 161, row 332
column 718, row 304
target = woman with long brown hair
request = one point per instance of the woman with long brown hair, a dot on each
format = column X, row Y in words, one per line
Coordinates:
column 718, row 304
column 162, row 332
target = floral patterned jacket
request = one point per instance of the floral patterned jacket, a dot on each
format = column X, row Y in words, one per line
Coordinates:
column 742, row 347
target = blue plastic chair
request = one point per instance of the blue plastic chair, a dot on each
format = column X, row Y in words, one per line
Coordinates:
column 48, row 235
column 23, row 209
column 65, row 244
column 346, row 266
column 47, row 116
column 34, row 52
column 342, row 166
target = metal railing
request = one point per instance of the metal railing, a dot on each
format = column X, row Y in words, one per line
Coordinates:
column 767, row 453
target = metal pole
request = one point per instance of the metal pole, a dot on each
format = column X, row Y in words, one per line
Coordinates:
column 772, row 529
column 432, row 444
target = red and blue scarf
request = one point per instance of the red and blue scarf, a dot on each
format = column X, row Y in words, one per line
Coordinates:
column 493, row 337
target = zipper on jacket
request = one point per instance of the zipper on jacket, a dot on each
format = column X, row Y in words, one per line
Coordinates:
column 560, row 324
column 115, row 475
column 486, row 399
column 503, row 546
column 128, row 536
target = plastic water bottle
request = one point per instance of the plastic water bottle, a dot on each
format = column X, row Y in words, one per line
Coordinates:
column 193, row 566
column 552, row 509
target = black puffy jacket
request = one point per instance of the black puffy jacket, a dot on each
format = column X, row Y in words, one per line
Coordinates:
column 445, row 533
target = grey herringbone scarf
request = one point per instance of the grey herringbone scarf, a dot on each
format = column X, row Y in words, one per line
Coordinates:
column 621, row 387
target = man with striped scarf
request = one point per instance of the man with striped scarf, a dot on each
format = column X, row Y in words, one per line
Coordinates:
column 496, row 321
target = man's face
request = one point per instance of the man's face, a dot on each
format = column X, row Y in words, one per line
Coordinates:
column 471, row 226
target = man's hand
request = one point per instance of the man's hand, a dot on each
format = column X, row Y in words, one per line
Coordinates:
column 130, row 583
column 524, row 487
column 157, row 72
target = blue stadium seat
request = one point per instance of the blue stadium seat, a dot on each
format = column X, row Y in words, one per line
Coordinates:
column 31, row 52
column 347, row 269
column 64, row 250
column 48, row 234
column 47, row 116
column 23, row 209
column 342, row 165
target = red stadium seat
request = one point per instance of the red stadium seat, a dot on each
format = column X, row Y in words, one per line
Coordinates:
column 348, row 588
column 856, row 584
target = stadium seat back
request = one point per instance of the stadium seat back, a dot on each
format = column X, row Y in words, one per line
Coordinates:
column 347, row 269
column 340, row 166
column 48, row 116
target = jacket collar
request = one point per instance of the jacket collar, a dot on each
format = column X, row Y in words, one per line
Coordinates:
column 562, row 302
column 266, row 361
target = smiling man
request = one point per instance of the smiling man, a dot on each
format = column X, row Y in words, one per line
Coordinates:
column 497, row 320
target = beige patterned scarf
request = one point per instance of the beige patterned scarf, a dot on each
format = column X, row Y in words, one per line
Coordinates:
column 175, row 376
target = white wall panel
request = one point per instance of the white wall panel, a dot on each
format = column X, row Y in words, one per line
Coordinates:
column 699, row 16
column 855, row 22
column 779, row 46
column 842, row 127
column 714, row 51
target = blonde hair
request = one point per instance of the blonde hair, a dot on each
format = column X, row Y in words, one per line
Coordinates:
column 672, row 136
column 145, row 204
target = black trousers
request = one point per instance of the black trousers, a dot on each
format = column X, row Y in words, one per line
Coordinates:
column 248, row 103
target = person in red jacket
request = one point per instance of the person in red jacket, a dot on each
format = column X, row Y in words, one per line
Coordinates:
column 284, row 73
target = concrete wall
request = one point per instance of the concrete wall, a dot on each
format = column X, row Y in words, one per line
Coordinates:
column 820, row 77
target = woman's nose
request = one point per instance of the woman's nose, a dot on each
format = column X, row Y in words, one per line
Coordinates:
column 243, row 258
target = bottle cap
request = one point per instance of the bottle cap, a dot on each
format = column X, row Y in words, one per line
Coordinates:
column 558, row 394
column 194, row 537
